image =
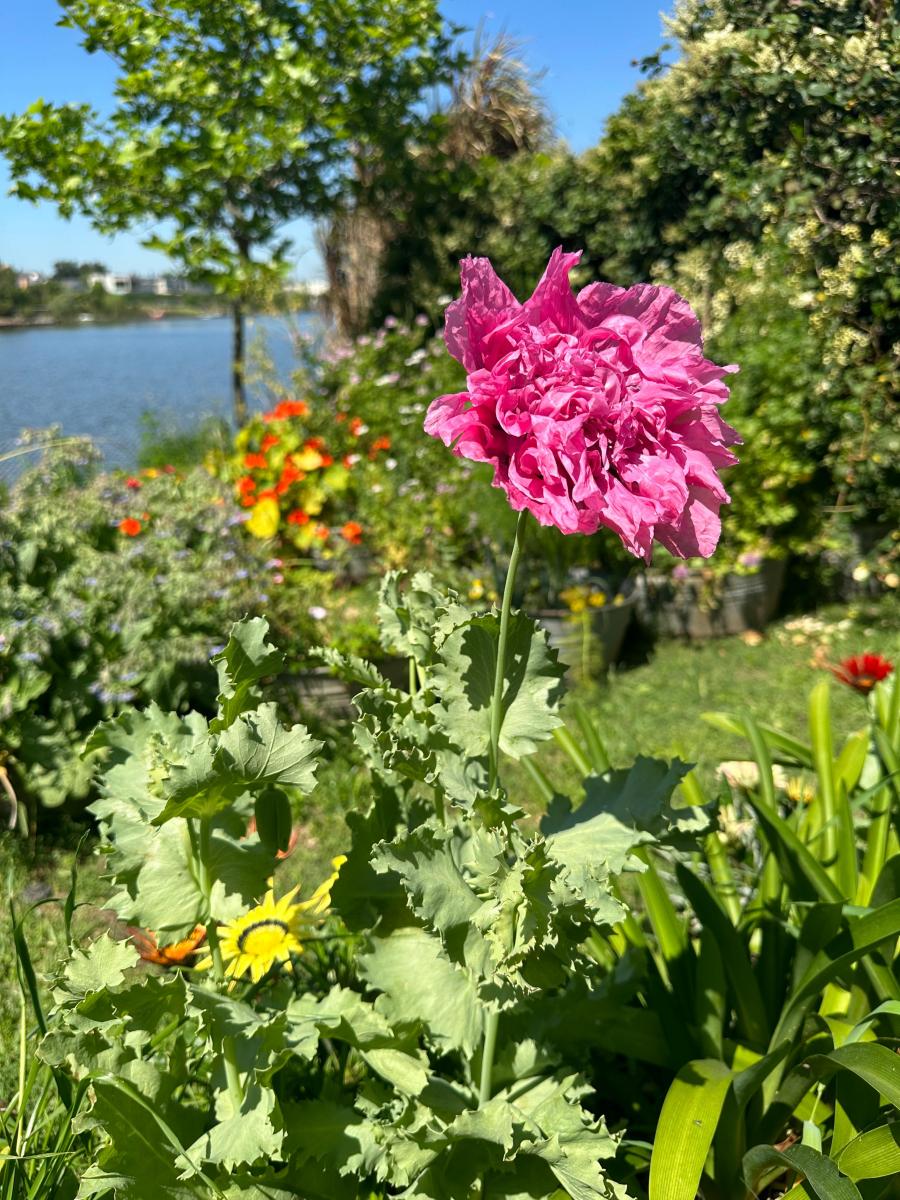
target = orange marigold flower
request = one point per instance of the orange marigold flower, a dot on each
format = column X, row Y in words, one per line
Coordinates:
column 381, row 443
column 269, row 441
column 268, row 494
column 248, row 501
column 132, row 483
column 130, row 526
column 258, row 461
column 327, row 460
column 321, row 532
column 352, row 533
column 286, row 409
column 297, row 517
column 246, row 484
column 314, row 443
column 357, row 424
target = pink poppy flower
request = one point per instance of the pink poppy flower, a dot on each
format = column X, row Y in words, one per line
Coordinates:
column 595, row 409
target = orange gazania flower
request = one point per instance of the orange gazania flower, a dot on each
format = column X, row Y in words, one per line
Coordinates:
column 352, row 533
column 255, row 461
column 862, row 671
column 172, row 955
column 297, row 517
column 130, row 526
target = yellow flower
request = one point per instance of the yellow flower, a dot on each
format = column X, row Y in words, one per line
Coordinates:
column 265, row 519
column 597, row 599
column 476, row 591
column 271, row 931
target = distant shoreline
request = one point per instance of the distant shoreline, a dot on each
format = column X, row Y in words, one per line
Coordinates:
column 135, row 318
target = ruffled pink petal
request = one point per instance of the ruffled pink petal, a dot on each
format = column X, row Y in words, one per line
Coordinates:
column 486, row 302
column 552, row 300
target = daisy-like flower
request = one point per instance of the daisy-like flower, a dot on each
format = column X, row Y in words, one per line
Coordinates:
column 862, row 671
column 271, row 931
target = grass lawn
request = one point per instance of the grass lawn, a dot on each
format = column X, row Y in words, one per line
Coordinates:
column 653, row 709
column 656, row 708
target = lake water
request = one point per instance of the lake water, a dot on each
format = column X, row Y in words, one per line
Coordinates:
column 99, row 379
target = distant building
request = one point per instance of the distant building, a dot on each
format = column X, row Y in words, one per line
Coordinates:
column 27, row 279
column 114, row 285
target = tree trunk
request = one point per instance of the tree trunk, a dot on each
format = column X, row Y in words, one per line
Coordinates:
column 238, row 388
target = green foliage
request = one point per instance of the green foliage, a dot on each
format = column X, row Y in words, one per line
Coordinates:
column 93, row 619
column 462, row 910
column 769, row 973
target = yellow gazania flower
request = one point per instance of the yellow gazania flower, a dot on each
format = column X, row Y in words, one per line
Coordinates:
column 271, row 931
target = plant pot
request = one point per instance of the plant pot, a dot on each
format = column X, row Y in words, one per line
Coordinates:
column 590, row 641
column 319, row 691
column 680, row 609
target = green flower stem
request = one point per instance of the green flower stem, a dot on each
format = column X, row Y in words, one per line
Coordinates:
column 492, row 1016
column 229, row 1049
column 491, row 1021
column 500, row 676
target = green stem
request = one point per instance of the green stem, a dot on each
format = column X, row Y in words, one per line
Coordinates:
column 229, row 1049
column 500, row 676
column 491, row 1016
column 491, row 1020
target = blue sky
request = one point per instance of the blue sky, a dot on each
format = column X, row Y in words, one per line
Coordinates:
column 585, row 47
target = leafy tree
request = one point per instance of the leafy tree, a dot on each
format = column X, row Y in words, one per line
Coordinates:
column 229, row 121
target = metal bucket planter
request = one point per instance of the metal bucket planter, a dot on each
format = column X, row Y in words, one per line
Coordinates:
column 321, row 693
column 745, row 602
column 590, row 641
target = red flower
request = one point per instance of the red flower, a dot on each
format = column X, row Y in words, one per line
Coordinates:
column 381, row 443
column 321, row 533
column 132, row 483
column 252, row 461
column 286, row 409
column 268, row 494
column 862, row 671
column 327, row 460
column 269, row 441
column 314, row 443
column 297, row 517
column 245, row 485
column 352, row 533
column 130, row 526
column 356, row 426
